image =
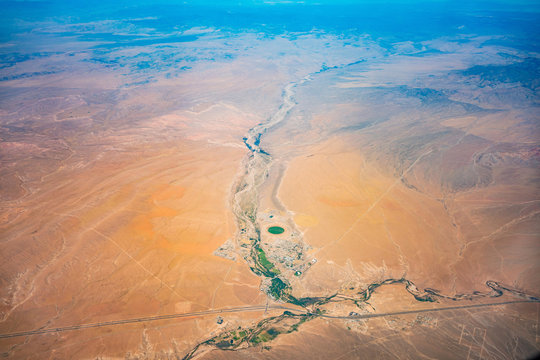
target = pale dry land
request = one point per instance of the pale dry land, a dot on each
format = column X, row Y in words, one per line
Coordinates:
column 117, row 188
column 114, row 199
column 112, row 207
column 127, row 232
column 417, row 189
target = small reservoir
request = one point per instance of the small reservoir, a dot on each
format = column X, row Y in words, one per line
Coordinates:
column 276, row 230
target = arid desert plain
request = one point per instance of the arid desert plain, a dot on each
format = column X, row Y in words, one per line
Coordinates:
column 269, row 180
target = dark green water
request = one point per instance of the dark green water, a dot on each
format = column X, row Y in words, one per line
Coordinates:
column 276, row 230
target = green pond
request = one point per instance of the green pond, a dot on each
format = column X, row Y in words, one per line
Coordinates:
column 276, row 230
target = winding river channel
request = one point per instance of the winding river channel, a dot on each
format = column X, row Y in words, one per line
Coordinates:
column 256, row 166
column 245, row 202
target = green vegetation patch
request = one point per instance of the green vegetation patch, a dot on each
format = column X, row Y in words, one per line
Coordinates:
column 266, row 336
column 269, row 268
column 264, row 260
column 277, row 288
column 276, row 230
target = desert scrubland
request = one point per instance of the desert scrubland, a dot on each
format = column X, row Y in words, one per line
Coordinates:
column 141, row 171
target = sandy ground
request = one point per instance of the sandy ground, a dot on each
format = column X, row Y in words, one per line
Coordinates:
column 125, row 238
column 115, row 198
